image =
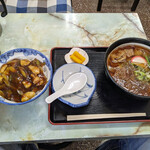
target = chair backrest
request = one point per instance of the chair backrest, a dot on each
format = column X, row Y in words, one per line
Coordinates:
column 38, row 6
column 133, row 8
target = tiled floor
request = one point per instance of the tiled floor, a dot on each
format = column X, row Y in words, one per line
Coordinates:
column 115, row 6
column 84, row 145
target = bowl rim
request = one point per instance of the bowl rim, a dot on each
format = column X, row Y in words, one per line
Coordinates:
column 20, row 50
column 117, row 44
column 69, row 103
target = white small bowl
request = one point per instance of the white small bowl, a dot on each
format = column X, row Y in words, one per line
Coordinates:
column 80, row 51
column 30, row 54
column 80, row 98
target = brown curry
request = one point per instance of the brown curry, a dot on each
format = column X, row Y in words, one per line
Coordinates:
column 130, row 68
column 20, row 79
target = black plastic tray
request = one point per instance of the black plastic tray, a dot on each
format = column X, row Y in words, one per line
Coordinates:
column 107, row 98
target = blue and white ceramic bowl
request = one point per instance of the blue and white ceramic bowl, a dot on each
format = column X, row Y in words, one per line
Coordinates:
column 30, row 54
column 80, row 98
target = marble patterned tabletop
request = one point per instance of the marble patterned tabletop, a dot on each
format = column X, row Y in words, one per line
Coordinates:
column 29, row 122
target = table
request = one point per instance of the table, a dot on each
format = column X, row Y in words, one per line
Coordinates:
column 29, row 122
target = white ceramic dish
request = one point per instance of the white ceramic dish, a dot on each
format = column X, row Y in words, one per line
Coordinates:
column 80, row 98
column 30, row 54
column 80, row 51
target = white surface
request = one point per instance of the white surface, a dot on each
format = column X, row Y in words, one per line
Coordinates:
column 80, row 51
column 82, row 97
column 74, row 83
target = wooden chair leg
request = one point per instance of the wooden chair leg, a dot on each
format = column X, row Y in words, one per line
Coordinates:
column 99, row 5
column 135, row 3
column 4, row 13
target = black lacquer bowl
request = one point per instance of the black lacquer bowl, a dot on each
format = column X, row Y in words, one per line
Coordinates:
column 121, row 42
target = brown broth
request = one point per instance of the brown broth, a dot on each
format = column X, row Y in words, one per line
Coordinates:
column 123, row 71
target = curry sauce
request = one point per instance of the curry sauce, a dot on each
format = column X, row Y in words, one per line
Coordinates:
column 21, row 79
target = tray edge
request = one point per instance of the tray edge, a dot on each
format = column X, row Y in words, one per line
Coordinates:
column 77, row 123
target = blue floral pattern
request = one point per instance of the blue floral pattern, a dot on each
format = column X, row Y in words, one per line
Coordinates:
column 83, row 96
column 26, row 52
column 80, row 93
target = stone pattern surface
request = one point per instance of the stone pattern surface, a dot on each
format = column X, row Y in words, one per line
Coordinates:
column 42, row 32
column 116, row 6
column 109, row 6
